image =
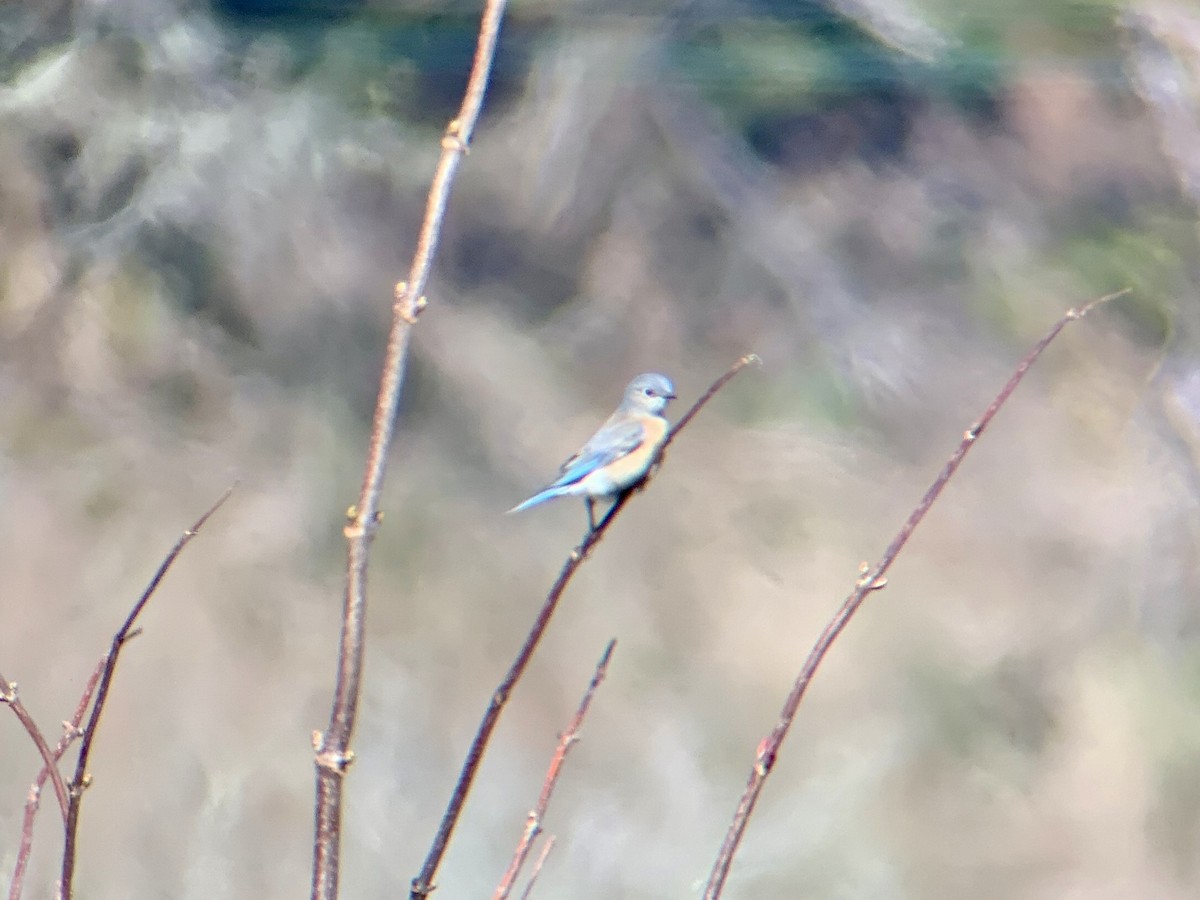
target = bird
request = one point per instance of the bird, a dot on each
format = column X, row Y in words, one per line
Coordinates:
column 620, row 453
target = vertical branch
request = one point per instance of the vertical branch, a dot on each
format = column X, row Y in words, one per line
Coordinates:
column 533, row 826
column 124, row 633
column 332, row 747
column 71, row 731
column 871, row 580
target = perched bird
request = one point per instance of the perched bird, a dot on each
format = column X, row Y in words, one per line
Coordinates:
column 620, row 454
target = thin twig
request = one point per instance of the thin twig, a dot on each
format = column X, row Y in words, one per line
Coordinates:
column 422, row 884
column 10, row 697
column 870, row 581
column 71, row 731
column 566, row 740
column 124, row 633
column 537, row 867
column 332, row 747
column 710, row 393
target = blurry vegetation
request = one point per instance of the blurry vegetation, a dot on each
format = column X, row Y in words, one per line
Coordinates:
column 203, row 212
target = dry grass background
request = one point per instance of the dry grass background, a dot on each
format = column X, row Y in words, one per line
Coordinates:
column 197, row 245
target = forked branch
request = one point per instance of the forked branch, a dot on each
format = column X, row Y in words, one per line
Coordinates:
column 566, row 740
column 537, row 868
column 71, row 733
column 10, row 697
column 124, row 633
column 423, row 884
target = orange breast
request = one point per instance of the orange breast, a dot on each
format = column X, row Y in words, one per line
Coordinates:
column 629, row 468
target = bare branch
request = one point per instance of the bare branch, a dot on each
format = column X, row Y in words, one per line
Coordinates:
column 537, row 868
column 71, row 731
column 533, row 825
column 124, row 633
column 10, row 697
column 870, row 581
column 422, row 884
column 332, row 747
column 687, row 417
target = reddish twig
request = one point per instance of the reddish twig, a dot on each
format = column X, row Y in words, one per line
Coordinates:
column 566, row 740
column 9, row 697
column 71, row 731
column 537, row 868
column 332, row 747
column 687, row 417
column 871, row 580
column 124, row 633
column 422, row 884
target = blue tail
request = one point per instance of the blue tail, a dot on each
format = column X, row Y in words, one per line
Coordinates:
column 541, row 497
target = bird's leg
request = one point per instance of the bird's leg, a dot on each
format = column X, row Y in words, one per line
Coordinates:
column 591, row 508
column 612, row 507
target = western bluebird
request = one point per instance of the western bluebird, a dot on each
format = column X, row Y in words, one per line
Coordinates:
column 618, row 455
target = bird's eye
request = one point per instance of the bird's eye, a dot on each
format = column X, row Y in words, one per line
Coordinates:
column 649, row 392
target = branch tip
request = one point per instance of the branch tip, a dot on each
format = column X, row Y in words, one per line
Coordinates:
column 608, row 652
column 103, row 682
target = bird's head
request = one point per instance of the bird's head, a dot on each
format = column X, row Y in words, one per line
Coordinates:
column 650, row 393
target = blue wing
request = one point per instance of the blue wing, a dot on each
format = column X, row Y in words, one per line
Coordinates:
column 615, row 439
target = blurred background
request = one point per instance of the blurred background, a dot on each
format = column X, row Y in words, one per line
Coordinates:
column 203, row 209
